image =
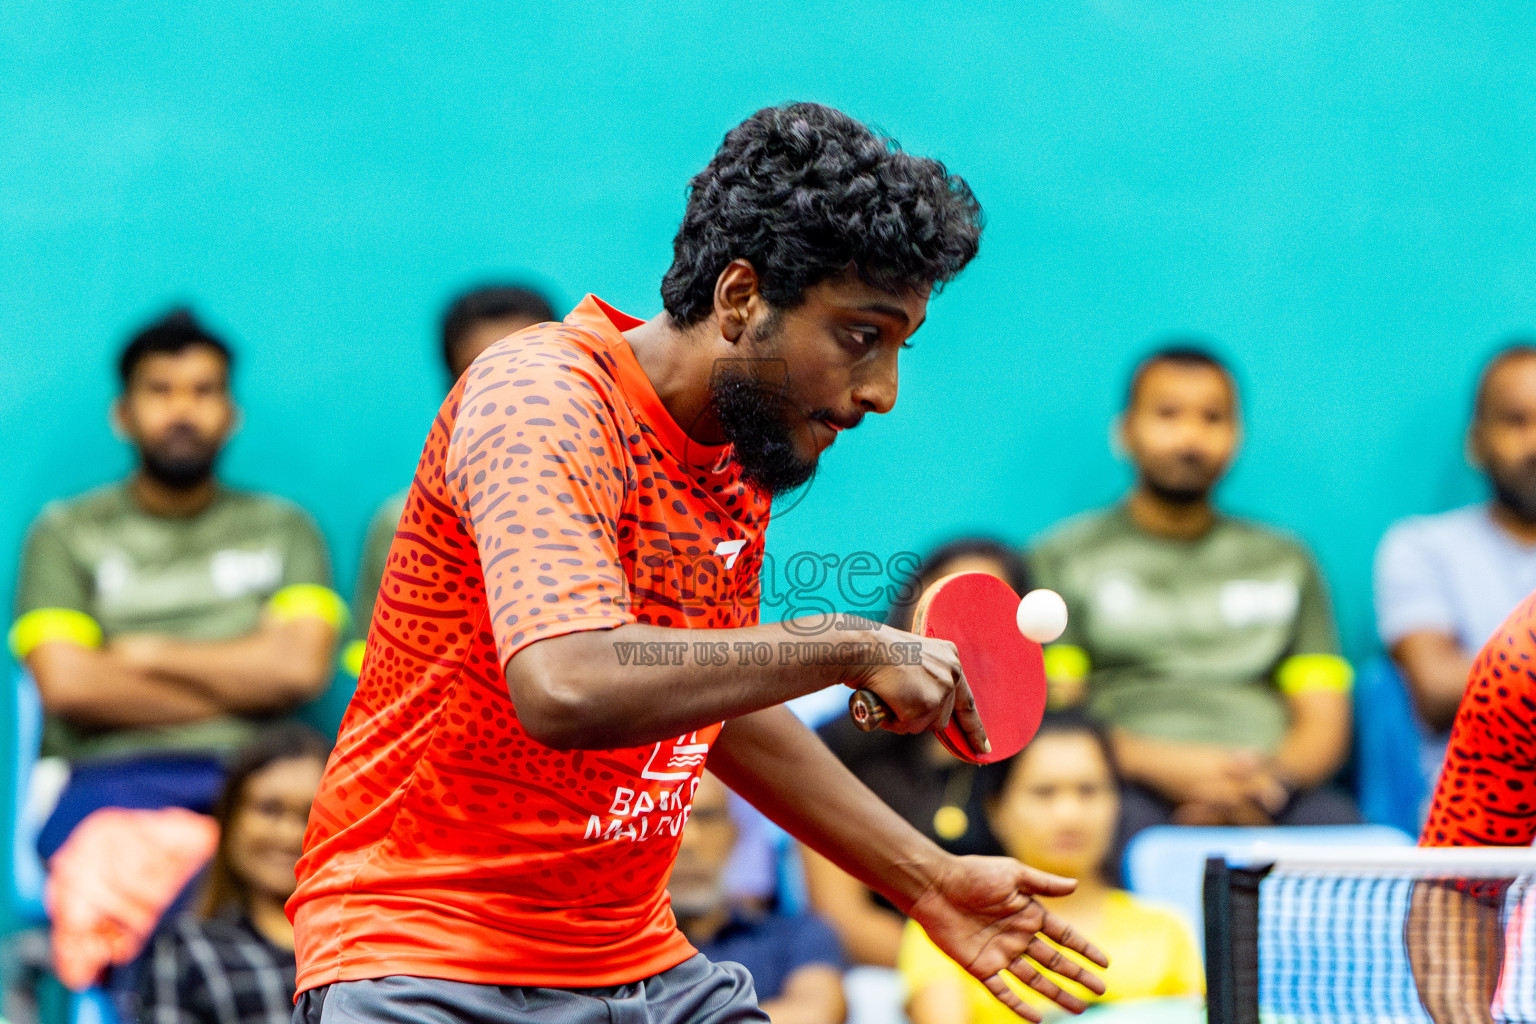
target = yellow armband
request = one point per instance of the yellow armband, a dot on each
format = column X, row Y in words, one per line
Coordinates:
column 1315, row 673
column 309, row 601
column 352, row 657
column 1066, row 663
column 50, row 625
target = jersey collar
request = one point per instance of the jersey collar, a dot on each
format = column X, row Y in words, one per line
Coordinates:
column 598, row 316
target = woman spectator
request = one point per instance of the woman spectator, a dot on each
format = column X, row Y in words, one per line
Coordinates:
column 932, row 789
column 1054, row 807
column 232, row 961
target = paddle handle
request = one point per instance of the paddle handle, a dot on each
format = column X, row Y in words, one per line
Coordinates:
column 867, row 710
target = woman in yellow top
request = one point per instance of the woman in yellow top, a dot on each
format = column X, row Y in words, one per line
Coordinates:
column 1054, row 806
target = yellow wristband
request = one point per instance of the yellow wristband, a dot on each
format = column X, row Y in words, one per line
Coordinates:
column 50, row 625
column 1066, row 663
column 309, row 601
column 1315, row 673
column 352, row 657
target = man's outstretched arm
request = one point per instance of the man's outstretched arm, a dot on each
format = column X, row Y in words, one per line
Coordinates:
column 980, row 910
column 1456, row 948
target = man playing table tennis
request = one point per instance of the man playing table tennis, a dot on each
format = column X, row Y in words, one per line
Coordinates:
column 566, row 626
column 1486, row 796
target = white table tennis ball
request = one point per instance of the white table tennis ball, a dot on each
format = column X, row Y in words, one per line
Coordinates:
column 1042, row 616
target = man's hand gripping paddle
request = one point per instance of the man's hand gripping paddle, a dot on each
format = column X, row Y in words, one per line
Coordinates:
column 979, row 614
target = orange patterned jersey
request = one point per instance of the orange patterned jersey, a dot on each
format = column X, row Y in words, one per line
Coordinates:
column 555, row 494
column 1487, row 790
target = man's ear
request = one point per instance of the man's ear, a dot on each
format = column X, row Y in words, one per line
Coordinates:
column 1117, row 444
column 736, row 299
column 1477, row 456
column 116, row 420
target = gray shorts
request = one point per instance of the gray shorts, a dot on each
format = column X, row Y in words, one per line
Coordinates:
column 696, row 991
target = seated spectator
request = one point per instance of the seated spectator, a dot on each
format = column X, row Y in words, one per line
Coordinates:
column 167, row 616
column 232, row 961
column 472, row 323
column 1444, row 583
column 795, row 962
column 1204, row 642
column 928, row 786
column 1054, row 807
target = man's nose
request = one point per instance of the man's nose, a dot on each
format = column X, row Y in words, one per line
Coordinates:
column 183, row 401
column 876, row 390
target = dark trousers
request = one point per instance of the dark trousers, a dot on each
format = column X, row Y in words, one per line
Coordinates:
column 696, row 991
column 147, row 782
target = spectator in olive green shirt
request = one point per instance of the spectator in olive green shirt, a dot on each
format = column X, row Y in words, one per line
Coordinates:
column 165, row 617
column 1204, row 642
column 472, row 323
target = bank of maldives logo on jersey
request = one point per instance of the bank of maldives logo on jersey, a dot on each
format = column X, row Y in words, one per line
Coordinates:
column 656, row 809
column 675, row 760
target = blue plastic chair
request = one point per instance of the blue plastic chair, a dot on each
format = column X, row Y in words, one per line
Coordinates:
column 27, row 870
column 91, row 1007
column 1166, row 863
column 28, row 873
column 1389, row 768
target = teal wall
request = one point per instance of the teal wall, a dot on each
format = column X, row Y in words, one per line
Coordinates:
column 1339, row 193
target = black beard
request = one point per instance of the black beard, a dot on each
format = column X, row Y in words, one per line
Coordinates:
column 181, row 473
column 1516, row 491
column 755, row 419
column 1175, row 495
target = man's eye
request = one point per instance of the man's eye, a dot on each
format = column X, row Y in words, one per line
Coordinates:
column 866, row 335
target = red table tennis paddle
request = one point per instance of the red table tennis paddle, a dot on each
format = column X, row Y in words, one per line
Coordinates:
column 1006, row 670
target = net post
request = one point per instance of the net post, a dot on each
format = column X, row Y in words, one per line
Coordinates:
column 1232, row 941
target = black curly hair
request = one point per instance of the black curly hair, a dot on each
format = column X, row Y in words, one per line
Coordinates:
column 171, row 334
column 802, row 192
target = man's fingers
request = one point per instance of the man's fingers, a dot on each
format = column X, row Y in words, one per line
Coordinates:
column 1057, row 962
column 1036, row 979
column 1064, row 934
column 970, row 721
column 941, row 720
column 1009, row 998
column 1041, row 883
column 1271, row 795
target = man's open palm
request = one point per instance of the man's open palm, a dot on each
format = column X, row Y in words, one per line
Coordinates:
column 983, row 914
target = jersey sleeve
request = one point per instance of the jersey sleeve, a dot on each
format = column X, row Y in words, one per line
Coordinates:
column 1066, row 657
column 1408, row 594
column 305, row 589
column 50, row 576
column 1316, row 631
column 305, row 559
column 370, row 573
column 1314, row 663
column 537, row 468
column 1486, row 795
column 53, row 593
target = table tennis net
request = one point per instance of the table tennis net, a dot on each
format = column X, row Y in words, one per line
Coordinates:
column 1372, row 935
